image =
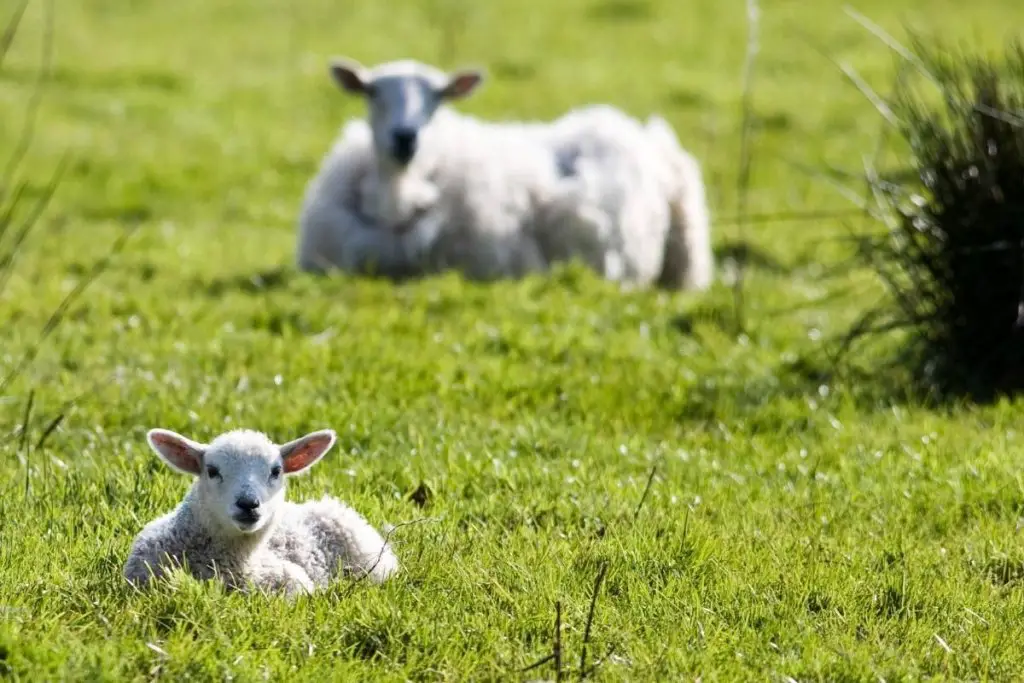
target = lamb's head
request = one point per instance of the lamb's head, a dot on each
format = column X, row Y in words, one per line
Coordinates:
column 402, row 97
column 240, row 474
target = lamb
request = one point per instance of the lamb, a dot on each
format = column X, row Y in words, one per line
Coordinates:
column 235, row 524
column 419, row 188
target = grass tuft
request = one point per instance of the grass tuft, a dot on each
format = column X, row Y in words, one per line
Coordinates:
column 953, row 260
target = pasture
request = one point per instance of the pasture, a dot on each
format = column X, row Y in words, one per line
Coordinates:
column 794, row 528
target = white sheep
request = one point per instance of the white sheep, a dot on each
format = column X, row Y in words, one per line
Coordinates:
column 235, row 524
column 420, row 188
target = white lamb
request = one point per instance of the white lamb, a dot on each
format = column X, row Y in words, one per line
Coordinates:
column 420, row 188
column 235, row 524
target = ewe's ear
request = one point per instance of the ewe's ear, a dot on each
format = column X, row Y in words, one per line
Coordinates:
column 461, row 83
column 349, row 75
column 182, row 454
column 303, row 453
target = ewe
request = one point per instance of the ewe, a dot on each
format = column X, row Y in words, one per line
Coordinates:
column 235, row 523
column 421, row 188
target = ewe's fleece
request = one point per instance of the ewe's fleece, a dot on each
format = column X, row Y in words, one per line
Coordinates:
column 419, row 188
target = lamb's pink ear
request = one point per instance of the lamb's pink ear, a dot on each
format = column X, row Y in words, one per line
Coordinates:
column 181, row 453
column 303, row 453
column 461, row 83
column 349, row 75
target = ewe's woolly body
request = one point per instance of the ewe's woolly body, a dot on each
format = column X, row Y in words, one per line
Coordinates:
column 474, row 212
column 501, row 199
column 303, row 546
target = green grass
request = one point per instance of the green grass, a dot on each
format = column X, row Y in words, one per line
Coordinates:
column 834, row 533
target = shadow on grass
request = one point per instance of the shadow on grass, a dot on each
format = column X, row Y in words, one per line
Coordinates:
column 618, row 11
column 514, row 71
column 679, row 98
column 566, row 275
column 162, row 81
column 255, row 283
column 726, row 397
column 752, row 257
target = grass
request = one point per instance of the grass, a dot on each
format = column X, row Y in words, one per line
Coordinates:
column 792, row 529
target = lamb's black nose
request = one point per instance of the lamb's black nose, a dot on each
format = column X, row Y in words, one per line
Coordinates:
column 247, row 503
column 403, row 144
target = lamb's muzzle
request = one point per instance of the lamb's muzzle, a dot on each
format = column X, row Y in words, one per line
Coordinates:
column 248, row 514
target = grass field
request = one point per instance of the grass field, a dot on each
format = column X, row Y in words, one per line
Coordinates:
column 792, row 530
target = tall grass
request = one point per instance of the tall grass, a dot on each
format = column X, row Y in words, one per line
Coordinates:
column 23, row 210
column 953, row 257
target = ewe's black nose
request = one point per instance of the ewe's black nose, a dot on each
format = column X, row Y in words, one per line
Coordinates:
column 246, row 503
column 403, row 144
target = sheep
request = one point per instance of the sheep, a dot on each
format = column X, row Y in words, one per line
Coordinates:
column 418, row 187
column 235, row 524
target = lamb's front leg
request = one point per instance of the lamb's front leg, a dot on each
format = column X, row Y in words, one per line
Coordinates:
column 270, row 572
column 349, row 542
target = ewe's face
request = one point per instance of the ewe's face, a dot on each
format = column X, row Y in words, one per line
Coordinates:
column 241, row 474
column 402, row 98
column 399, row 107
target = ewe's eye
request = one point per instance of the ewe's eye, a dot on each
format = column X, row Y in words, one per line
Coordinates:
column 212, row 472
column 275, row 472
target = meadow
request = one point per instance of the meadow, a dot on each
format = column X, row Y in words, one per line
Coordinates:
column 531, row 440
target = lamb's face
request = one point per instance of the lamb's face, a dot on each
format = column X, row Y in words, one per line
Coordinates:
column 241, row 474
column 402, row 98
column 241, row 482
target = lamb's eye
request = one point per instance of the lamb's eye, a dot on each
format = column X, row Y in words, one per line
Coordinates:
column 275, row 472
column 212, row 472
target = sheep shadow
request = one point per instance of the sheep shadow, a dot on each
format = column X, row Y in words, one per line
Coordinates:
column 566, row 274
column 562, row 274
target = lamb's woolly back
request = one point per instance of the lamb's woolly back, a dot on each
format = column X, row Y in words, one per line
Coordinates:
column 326, row 536
column 234, row 516
column 420, row 187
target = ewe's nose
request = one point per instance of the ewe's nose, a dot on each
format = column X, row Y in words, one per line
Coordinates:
column 403, row 144
column 247, row 503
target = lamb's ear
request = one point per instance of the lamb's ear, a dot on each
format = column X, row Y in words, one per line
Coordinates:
column 461, row 83
column 181, row 453
column 303, row 453
column 349, row 75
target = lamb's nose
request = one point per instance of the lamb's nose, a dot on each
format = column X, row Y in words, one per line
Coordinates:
column 247, row 503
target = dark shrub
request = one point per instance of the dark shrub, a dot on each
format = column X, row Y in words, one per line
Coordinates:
column 953, row 260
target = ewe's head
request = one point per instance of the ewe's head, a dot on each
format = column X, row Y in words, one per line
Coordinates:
column 241, row 474
column 402, row 98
